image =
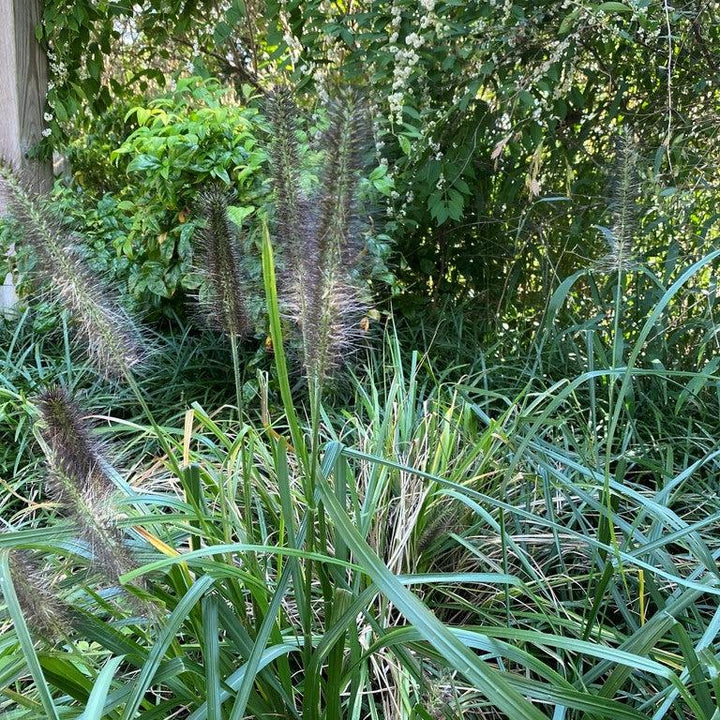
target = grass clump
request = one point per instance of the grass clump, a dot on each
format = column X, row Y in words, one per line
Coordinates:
column 498, row 538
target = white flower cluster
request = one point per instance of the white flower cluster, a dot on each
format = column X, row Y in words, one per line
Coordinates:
column 395, row 101
column 415, row 40
column 406, row 51
column 396, row 13
column 405, row 61
column 294, row 45
column 58, row 69
column 59, row 73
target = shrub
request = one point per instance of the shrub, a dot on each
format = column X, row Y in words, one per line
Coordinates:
column 185, row 141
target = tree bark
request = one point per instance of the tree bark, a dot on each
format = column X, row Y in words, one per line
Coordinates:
column 23, row 86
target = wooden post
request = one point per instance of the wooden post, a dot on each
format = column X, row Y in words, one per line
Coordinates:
column 23, row 85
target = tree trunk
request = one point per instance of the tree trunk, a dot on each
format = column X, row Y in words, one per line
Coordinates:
column 23, row 85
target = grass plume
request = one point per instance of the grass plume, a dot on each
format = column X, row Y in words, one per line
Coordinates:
column 113, row 341
column 226, row 308
column 37, row 593
column 79, row 482
column 320, row 234
column 620, row 236
column 292, row 211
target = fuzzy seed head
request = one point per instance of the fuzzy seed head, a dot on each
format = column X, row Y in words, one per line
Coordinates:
column 226, row 310
column 344, row 142
column 291, row 208
column 37, row 592
column 69, row 438
column 78, row 480
column 328, row 313
column 624, row 207
column 112, row 340
column 444, row 518
column 320, row 234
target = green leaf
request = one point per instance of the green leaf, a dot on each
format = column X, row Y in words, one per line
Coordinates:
column 60, row 112
column 568, row 22
column 142, row 163
column 384, row 185
column 237, row 213
column 236, row 12
column 614, row 7
column 95, row 708
column 94, row 67
column 222, row 32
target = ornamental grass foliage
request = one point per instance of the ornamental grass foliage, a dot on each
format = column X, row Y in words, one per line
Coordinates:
column 486, row 535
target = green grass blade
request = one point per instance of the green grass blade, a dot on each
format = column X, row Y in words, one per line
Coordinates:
column 283, row 376
column 190, row 558
column 164, row 640
column 252, row 666
column 486, row 679
column 236, row 679
column 211, row 656
column 95, row 708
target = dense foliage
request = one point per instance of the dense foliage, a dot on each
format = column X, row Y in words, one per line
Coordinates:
column 231, row 492
column 496, row 120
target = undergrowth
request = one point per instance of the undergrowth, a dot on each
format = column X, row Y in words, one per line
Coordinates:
column 522, row 529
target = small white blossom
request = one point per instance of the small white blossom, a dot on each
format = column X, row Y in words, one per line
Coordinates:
column 415, row 40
